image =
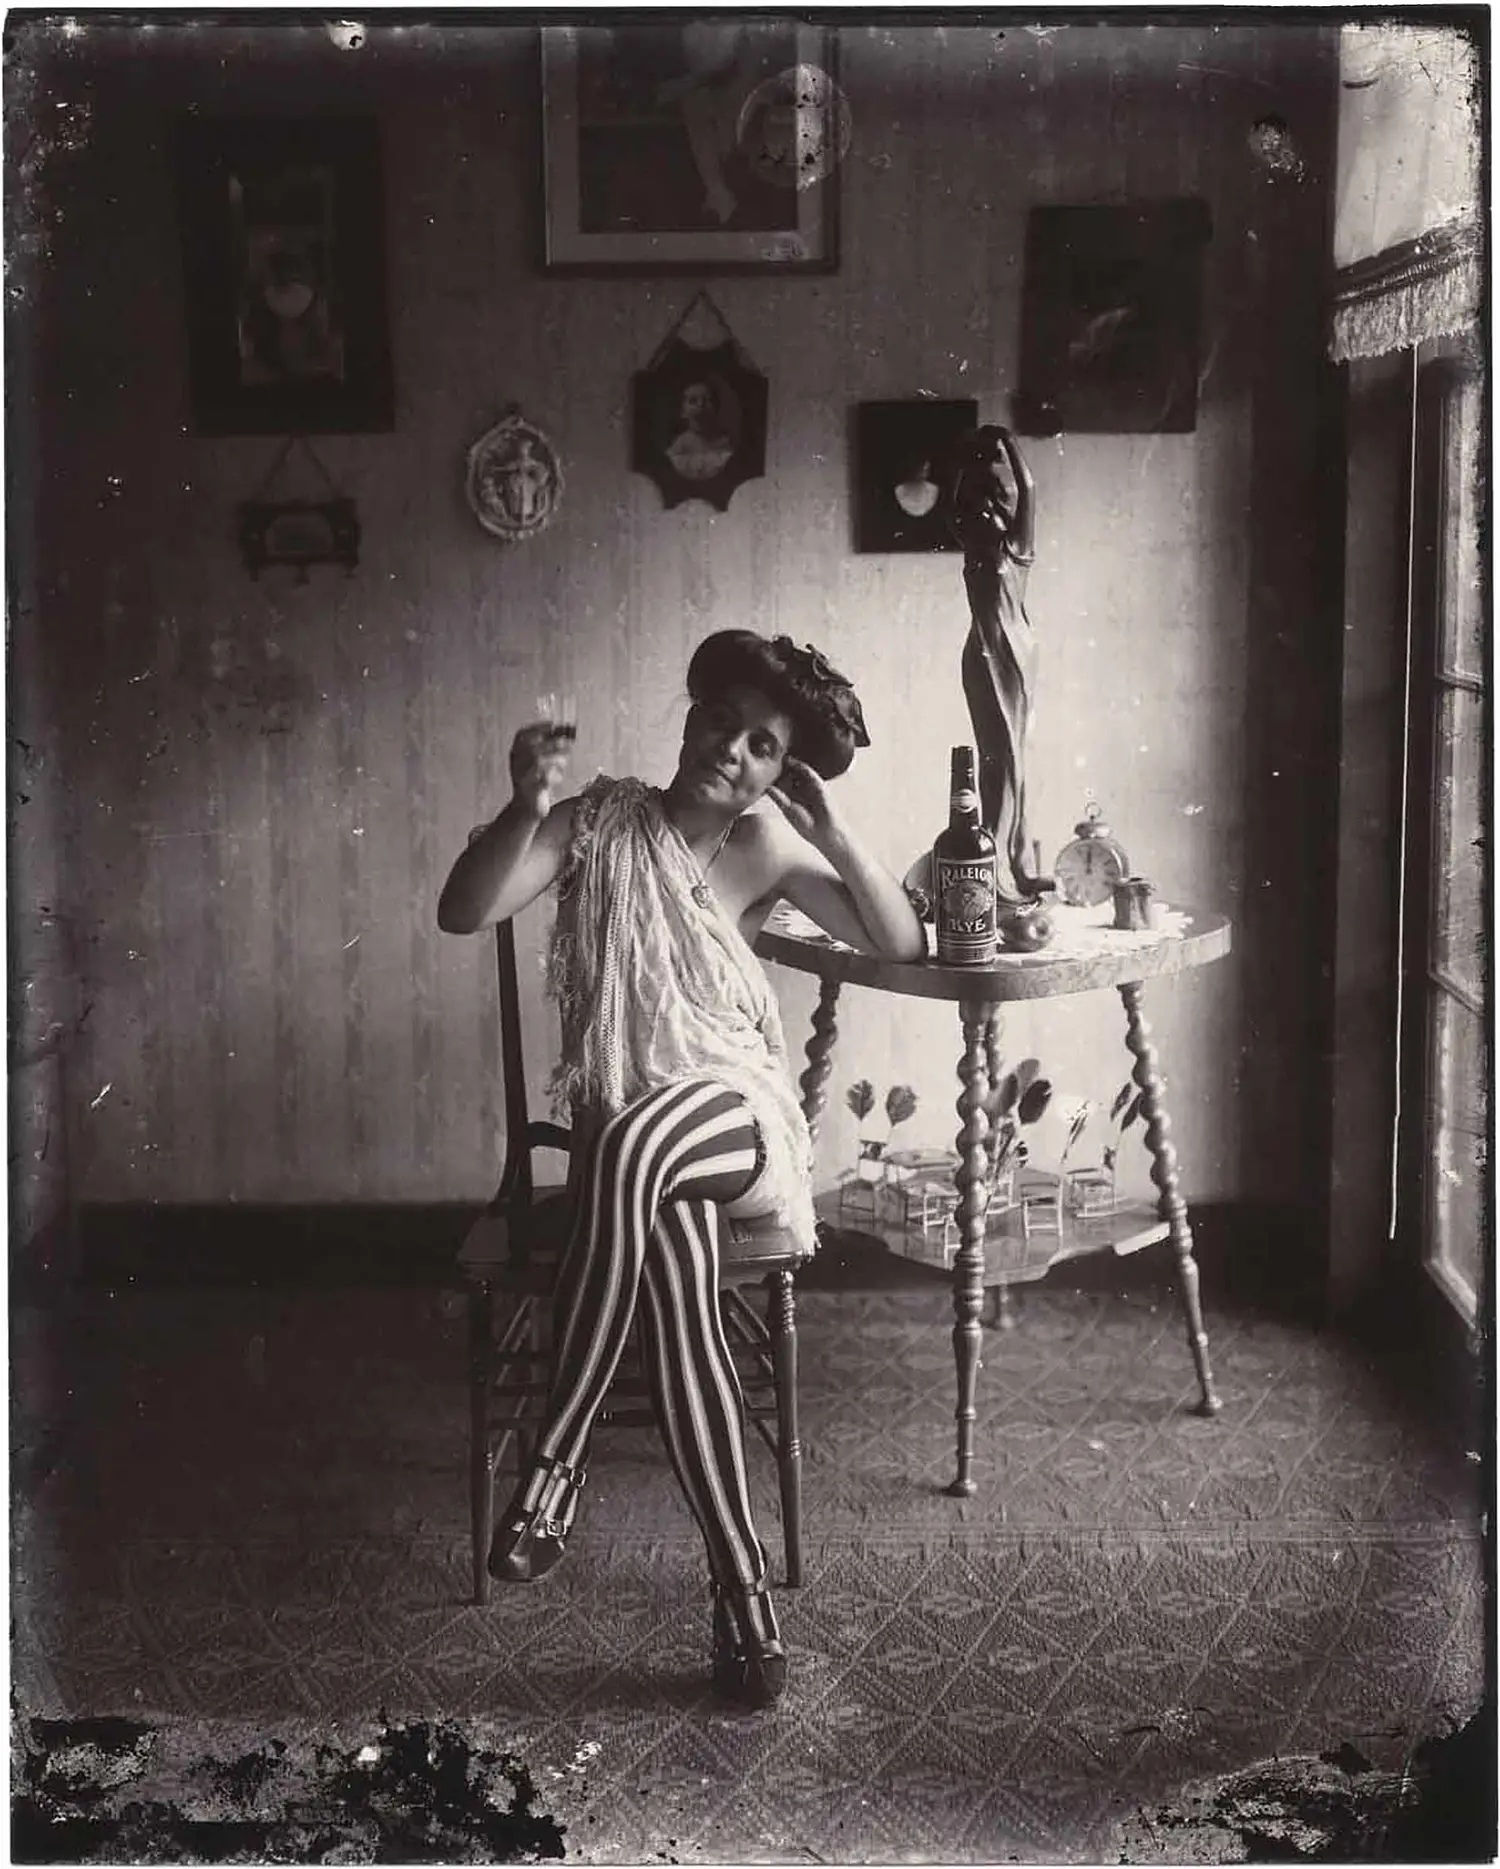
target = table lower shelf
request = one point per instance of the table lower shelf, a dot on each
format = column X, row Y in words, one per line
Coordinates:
column 1013, row 1254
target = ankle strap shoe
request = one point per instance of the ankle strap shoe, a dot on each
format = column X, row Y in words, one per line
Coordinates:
column 749, row 1661
column 530, row 1543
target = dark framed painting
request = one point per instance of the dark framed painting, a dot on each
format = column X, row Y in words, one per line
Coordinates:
column 698, row 423
column 1111, row 308
column 282, row 224
column 701, row 145
column 901, row 495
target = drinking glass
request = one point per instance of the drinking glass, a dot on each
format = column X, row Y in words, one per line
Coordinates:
column 560, row 713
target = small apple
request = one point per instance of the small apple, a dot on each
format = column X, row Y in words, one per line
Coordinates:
column 1024, row 930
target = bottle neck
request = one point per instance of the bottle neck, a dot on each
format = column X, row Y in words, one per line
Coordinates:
column 963, row 807
column 963, row 788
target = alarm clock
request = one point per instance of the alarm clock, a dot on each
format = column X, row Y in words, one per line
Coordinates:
column 1086, row 871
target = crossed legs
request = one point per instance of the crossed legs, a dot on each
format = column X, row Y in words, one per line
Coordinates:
column 647, row 1222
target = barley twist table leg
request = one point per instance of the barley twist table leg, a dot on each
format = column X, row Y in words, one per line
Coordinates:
column 968, row 1271
column 1173, row 1208
column 825, row 1031
column 994, row 1032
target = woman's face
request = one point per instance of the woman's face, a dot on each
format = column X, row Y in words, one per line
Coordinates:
column 697, row 406
column 733, row 748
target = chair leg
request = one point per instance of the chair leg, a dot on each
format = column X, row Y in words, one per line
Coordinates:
column 481, row 1452
column 781, row 1323
column 538, row 1327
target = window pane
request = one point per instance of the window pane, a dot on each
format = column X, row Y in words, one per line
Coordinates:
column 1458, row 845
column 1461, row 623
column 1457, row 1122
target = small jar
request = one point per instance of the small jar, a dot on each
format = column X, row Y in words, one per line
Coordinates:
column 1135, row 906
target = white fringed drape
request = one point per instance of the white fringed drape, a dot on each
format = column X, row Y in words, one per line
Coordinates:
column 1426, row 288
column 1406, row 225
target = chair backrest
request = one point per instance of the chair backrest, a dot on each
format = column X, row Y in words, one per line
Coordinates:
column 522, row 1135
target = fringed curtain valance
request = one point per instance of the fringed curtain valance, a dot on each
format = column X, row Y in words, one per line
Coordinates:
column 1425, row 288
column 1406, row 232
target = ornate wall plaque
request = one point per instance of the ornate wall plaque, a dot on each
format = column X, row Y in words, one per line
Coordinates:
column 515, row 480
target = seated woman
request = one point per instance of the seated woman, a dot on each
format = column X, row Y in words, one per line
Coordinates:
column 677, row 1072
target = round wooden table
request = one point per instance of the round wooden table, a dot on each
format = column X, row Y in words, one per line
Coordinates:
column 1084, row 957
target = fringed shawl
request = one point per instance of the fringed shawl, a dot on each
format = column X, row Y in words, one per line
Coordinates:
column 654, row 985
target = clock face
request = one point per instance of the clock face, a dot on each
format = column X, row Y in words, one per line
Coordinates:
column 1087, row 870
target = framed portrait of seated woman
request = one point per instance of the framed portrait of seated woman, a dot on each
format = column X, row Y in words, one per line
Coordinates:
column 700, row 145
column 902, row 470
column 698, row 422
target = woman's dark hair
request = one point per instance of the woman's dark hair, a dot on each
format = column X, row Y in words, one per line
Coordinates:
column 827, row 721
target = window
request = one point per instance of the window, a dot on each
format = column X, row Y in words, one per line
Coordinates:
column 1444, row 1112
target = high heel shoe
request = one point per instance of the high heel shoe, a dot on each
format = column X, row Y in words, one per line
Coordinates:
column 530, row 1542
column 749, row 1662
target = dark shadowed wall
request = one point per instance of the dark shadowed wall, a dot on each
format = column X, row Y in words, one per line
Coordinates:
column 243, row 796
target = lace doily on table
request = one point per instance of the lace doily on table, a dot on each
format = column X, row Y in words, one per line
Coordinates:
column 1079, row 934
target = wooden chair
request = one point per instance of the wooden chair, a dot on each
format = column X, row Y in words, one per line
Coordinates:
column 509, row 1264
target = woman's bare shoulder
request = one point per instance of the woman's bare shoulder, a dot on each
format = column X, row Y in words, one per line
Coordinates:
column 752, row 887
column 759, row 859
column 756, row 838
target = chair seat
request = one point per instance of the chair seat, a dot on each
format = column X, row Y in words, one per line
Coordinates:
column 747, row 1249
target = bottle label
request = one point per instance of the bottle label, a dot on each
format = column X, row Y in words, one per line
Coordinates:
column 966, row 911
column 964, row 800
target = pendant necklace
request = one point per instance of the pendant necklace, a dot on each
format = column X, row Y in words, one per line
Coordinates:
column 702, row 894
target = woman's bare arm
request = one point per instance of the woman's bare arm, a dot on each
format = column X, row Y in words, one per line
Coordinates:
column 520, row 853
column 832, row 878
column 507, row 866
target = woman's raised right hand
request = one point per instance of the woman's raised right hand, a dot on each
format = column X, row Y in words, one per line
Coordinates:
column 539, row 764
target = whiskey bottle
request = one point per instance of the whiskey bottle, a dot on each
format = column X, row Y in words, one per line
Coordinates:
column 964, row 874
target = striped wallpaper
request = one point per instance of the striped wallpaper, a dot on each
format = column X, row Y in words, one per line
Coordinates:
column 258, row 785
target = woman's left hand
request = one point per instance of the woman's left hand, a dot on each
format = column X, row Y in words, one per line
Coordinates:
column 803, row 801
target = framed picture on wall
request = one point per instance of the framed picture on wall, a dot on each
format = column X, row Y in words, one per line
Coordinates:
column 697, row 146
column 698, row 423
column 1110, row 316
column 901, row 500
column 282, row 225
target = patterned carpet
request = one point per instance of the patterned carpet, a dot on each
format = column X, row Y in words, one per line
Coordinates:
column 252, row 1566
